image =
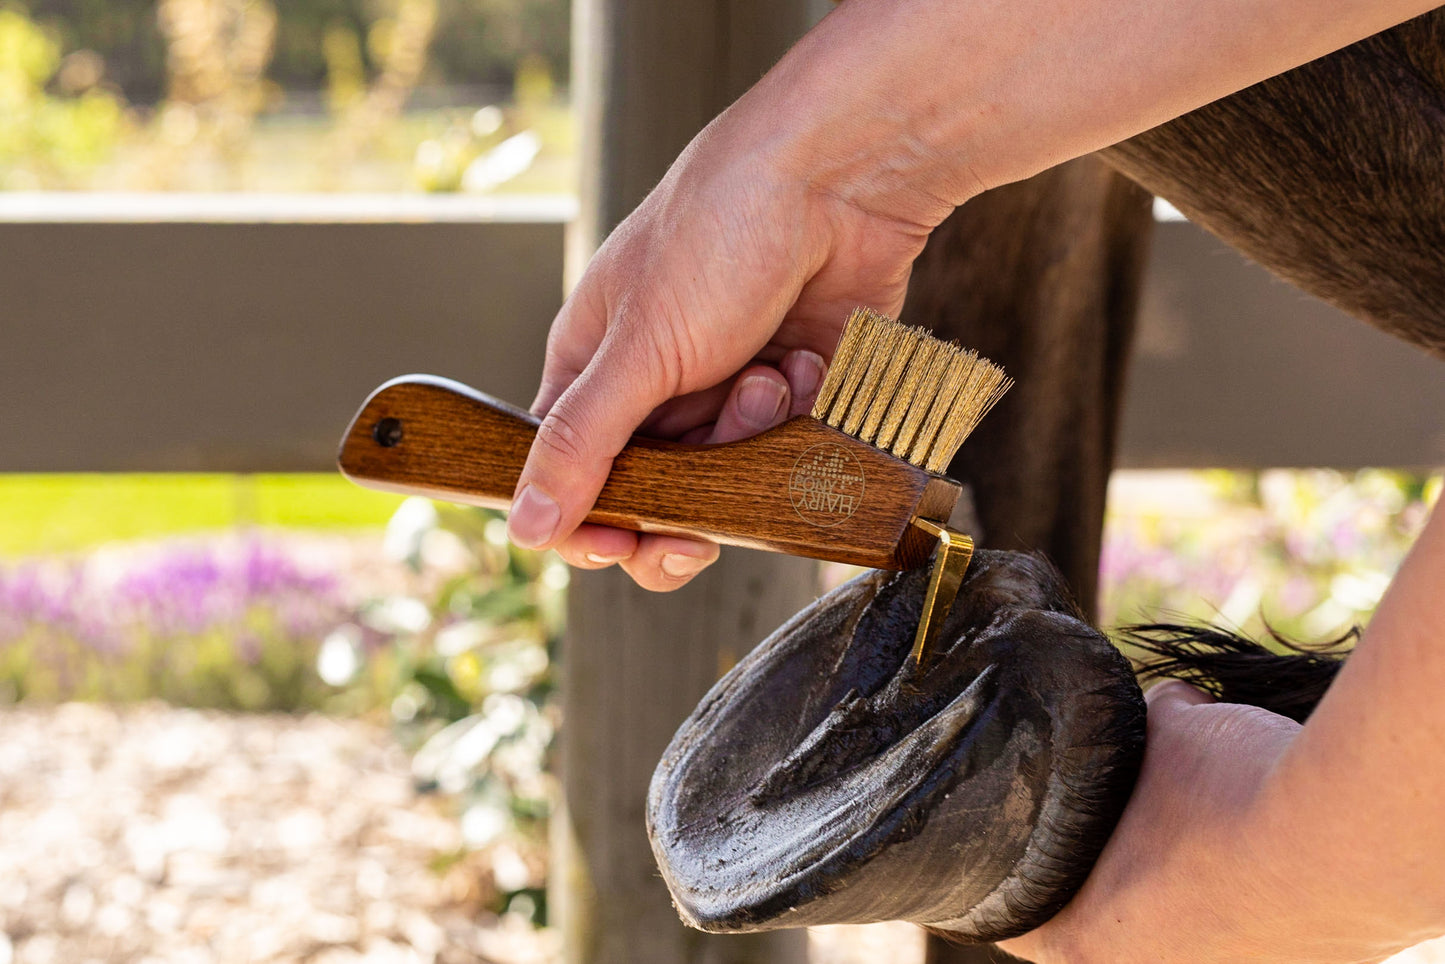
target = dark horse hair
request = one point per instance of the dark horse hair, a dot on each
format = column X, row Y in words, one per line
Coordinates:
column 1288, row 678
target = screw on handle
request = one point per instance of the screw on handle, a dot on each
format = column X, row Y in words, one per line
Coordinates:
column 387, row 432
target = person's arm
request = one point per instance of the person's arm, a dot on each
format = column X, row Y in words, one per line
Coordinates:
column 1249, row 838
column 815, row 191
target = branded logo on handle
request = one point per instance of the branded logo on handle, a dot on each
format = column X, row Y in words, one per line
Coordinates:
column 826, row 486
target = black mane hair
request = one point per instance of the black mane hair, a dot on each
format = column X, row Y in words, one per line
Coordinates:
column 1288, row 678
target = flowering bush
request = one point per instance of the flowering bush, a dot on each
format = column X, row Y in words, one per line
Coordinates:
column 1307, row 552
column 474, row 661
column 224, row 95
column 46, row 138
column 226, row 625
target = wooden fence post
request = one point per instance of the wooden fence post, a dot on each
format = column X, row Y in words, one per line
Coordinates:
column 648, row 75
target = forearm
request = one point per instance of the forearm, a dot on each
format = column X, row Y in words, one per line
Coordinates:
column 910, row 107
column 1249, row 838
column 1351, row 818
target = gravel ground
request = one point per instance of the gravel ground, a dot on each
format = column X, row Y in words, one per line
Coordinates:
column 152, row 834
column 155, row 835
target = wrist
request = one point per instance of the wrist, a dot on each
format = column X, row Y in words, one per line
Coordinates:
column 880, row 134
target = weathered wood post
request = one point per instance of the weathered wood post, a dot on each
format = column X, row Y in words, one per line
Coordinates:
column 648, row 75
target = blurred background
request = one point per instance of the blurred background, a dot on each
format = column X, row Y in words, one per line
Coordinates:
column 242, row 95
column 250, row 712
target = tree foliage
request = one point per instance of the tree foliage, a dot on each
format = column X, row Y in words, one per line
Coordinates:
column 477, row 42
column 55, row 136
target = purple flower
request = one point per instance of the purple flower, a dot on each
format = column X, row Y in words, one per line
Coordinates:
column 249, row 593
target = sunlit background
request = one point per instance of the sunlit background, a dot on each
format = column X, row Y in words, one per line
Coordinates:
column 279, row 718
column 246, row 95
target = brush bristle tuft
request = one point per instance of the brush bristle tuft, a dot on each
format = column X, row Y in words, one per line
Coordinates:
column 901, row 389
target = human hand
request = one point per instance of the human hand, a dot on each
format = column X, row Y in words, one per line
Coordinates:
column 760, row 397
column 815, row 191
column 705, row 316
column 1179, row 880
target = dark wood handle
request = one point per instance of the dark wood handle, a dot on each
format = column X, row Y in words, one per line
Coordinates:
column 802, row 488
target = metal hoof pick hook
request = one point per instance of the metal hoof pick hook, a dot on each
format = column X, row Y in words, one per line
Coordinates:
column 950, row 562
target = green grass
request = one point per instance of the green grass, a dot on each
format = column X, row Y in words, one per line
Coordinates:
column 42, row 514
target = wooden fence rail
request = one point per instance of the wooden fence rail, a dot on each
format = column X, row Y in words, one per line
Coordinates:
column 191, row 346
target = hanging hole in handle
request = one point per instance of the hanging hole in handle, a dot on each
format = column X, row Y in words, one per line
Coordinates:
column 387, row 432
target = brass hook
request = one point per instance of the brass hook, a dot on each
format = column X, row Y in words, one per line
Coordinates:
column 950, row 562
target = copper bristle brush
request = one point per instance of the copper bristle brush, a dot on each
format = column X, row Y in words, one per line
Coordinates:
column 857, row 481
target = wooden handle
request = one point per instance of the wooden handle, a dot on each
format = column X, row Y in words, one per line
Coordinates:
column 802, row 488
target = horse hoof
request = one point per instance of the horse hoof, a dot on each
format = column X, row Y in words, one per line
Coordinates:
column 827, row 780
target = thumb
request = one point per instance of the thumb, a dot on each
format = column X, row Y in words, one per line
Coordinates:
column 579, row 437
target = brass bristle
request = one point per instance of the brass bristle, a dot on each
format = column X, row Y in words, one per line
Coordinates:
column 945, row 393
column 986, row 385
column 901, row 389
column 931, row 362
column 872, row 382
column 851, row 376
column 918, row 359
column 833, row 381
column 898, row 354
column 880, row 380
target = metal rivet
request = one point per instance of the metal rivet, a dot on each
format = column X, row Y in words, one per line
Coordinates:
column 387, row 432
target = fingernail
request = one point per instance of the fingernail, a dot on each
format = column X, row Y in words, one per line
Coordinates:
column 533, row 519
column 805, row 372
column 598, row 559
column 759, row 399
column 679, row 566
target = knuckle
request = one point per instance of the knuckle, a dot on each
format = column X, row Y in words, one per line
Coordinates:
column 664, row 350
column 561, row 437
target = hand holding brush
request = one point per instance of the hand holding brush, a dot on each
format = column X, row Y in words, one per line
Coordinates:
column 857, row 480
column 816, row 190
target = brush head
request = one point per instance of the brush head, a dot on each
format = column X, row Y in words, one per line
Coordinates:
column 900, row 389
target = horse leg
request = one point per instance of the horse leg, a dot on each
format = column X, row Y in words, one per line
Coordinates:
column 1331, row 175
